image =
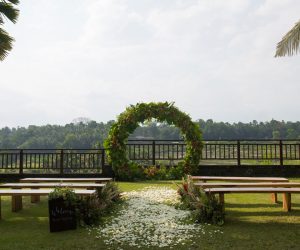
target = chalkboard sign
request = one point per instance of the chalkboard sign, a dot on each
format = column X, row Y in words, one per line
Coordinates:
column 61, row 216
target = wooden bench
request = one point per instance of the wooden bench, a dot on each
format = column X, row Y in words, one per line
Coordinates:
column 246, row 184
column 239, row 179
column 242, row 179
column 95, row 180
column 14, row 193
column 286, row 201
column 36, row 198
column 52, row 185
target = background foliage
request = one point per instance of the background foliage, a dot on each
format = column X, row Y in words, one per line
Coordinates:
column 91, row 134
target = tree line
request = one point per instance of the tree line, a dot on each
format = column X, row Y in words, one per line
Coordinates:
column 91, row 134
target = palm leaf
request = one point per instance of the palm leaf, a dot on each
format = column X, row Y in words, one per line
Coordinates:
column 9, row 11
column 14, row 1
column 5, row 44
column 289, row 45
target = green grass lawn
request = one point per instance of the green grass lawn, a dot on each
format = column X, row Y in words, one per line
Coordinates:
column 252, row 222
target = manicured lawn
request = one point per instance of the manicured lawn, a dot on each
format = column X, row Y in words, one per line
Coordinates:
column 252, row 222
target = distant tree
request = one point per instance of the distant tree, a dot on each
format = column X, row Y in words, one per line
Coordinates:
column 291, row 134
column 276, row 134
column 83, row 120
column 289, row 45
column 93, row 134
column 7, row 10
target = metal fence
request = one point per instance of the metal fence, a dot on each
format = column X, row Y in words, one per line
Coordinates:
column 150, row 152
column 55, row 161
column 235, row 152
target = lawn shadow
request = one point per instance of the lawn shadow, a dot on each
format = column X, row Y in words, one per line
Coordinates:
column 262, row 210
column 263, row 213
column 256, row 205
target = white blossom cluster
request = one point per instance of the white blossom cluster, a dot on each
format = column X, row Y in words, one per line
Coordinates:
column 150, row 221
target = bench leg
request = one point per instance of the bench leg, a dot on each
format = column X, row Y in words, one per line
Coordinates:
column 16, row 203
column 35, row 198
column 286, row 202
column 222, row 200
column 274, row 197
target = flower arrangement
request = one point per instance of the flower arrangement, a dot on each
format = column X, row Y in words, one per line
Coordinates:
column 65, row 193
column 129, row 120
column 205, row 207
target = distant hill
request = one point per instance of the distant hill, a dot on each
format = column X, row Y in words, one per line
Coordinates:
column 91, row 134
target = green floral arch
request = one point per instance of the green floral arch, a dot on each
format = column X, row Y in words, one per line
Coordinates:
column 129, row 120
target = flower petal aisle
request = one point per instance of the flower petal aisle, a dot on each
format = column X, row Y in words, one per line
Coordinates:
column 150, row 219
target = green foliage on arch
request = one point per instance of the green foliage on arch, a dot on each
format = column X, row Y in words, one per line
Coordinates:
column 129, row 120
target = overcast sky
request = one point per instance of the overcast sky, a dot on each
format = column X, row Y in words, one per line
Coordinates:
column 93, row 58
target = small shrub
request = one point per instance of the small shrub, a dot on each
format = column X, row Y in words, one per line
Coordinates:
column 89, row 211
column 205, row 207
column 132, row 172
column 93, row 208
column 176, row 172
column 209, row 210
column 109, row 194
column 162, row 173
column 136, row 172
column 151, row 172
column 65, row 193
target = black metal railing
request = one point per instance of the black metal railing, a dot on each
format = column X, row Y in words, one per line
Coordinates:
column 60, row 161
column 236, row 152
column 150, row 152
column 153, row 151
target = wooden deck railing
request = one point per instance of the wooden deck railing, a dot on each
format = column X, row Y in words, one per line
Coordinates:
column 237, row 151
column 150, row 152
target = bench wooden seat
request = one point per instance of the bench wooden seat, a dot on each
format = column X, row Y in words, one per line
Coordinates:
column 249, row 184
column 26, row 192
column 95, row 180
column 239, row 179
column 52, row 185
column 15, row 193
column 286, row 201
column 246, row 184
column 242, row 179
column 36, row 198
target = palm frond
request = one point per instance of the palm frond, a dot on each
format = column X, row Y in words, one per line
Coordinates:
column 9, row 11
column 14, row 1
column 289, row 45
column 5, row 44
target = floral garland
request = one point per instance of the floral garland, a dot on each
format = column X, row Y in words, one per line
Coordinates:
column 129, row 120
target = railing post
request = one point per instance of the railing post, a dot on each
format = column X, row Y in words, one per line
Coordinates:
column 153, row 153
column 238, row 153
column 281, row 152
column 21, row 162
column 61, row 161
column 102, row 158
column 106, row 169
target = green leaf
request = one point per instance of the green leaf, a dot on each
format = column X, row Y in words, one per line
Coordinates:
column 9, row 11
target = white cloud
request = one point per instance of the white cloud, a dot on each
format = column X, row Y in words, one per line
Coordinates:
column 95, row 57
